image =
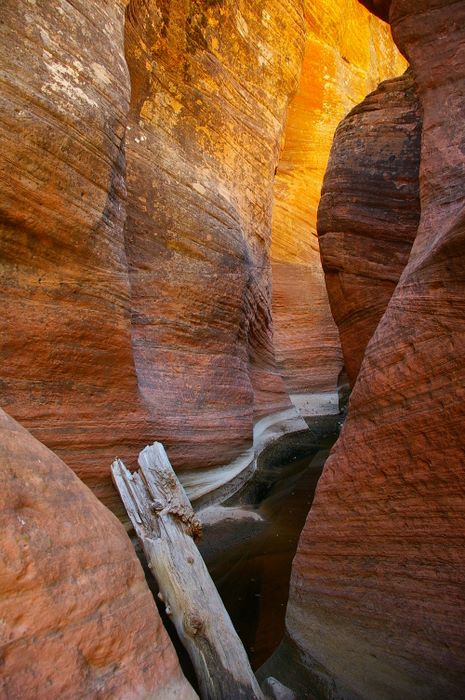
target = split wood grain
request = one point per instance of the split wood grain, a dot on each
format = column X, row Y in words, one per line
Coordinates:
column 166, row 525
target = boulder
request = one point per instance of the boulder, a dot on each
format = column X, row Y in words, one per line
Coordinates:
column 77, row 617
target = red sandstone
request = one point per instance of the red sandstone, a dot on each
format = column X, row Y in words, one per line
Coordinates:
column 78, row 620
column 369, row 211
column 378, row 580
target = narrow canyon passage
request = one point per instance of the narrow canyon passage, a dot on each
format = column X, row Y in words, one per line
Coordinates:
column 249, row 542
column 219, row 219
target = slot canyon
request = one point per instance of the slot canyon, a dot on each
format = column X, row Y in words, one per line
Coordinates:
column 236, row 229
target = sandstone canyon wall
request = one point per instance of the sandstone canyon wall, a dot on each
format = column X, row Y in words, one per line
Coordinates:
column 121, row 329
column 210, row 91
column 67, row 369
column 369, row 211
column 138, row 154
column 377, row 600
column 347, row 53
column 77, row 617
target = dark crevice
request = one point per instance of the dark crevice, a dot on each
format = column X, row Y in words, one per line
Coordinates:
column 249, row 558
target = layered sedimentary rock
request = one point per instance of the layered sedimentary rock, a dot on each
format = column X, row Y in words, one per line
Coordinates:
column 210, row 90
column 347, row 53
column 112, row 338
column 377, row 591
column 369, row 211
column 136, row 219
column 78, row 619
column 66, row 358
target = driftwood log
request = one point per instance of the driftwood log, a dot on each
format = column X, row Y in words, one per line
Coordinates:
column 166, row 524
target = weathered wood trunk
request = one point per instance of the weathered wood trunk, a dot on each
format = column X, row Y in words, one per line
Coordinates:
column 165, row 523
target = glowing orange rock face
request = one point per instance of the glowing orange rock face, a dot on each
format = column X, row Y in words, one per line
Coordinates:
column 347, row 52
column 78, row 620
column 135, row 237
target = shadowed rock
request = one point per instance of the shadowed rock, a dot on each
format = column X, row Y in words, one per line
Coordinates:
column 369, row 211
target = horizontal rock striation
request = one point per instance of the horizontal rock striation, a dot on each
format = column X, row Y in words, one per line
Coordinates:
column 130, row 318
column 67, row 369
column 138, row 153
column 377, row 591
column 339, row 68
column 369, row 211
column 210, row 91
column 78, row 620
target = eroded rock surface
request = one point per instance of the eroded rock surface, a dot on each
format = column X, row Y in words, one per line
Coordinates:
column 347, row 53
column 210, row 91
column 369, row 211
column 377, row 592
column 110, row 337
column 136, row 220
column 77, row 617
column 67, row 368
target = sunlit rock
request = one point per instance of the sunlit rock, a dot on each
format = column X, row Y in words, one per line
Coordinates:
column 347, row 53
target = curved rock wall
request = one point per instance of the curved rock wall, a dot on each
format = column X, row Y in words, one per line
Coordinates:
column 369, row 211
column 377, row 591
column 77, row 617
column 210, row 91
column 113, row 336
column 136, row 220
column 67, row 367
column 347, row 53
